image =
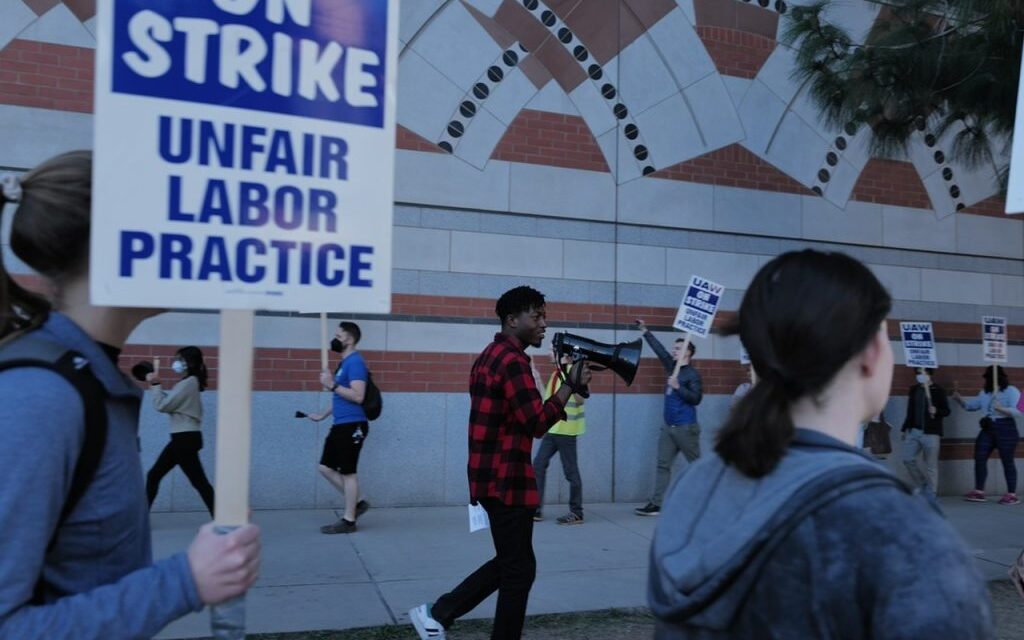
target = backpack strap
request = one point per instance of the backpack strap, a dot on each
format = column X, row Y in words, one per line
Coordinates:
column 33, row 350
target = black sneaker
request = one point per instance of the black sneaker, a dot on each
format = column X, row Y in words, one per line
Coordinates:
column 538, row 516
column 341, row 526
column 362, row 507
column 649, row 509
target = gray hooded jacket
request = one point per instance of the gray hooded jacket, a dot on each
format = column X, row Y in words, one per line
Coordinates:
column 829, row 545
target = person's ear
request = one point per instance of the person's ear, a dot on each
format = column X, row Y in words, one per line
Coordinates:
column 874, row 354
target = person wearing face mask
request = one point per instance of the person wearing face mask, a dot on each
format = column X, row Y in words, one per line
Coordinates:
column 185, row 409
column 922, row 430
column 340, row 457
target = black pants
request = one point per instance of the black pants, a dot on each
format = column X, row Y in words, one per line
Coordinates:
column 510, row 573
column 182, row 451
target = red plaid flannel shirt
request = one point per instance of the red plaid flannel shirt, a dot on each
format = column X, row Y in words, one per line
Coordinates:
column 506, row 413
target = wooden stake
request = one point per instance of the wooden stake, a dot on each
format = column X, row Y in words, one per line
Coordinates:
column 234, row 417
column 156, row 366
column 323, row 341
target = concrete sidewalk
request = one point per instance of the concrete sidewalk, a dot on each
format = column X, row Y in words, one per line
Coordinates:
column 401, row 557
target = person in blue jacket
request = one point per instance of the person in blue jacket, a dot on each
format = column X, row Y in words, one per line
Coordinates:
column 786, row 530
column 97, row 578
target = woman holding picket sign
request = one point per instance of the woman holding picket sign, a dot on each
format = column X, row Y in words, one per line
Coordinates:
column 77, row 560
column 998, row 432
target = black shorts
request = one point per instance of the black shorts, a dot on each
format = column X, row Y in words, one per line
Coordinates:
column 342, row 447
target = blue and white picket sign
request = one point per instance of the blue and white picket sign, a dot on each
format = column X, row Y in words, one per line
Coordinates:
column 699, row 306
column 919, row 345
column 993, row 338
column 244, row 154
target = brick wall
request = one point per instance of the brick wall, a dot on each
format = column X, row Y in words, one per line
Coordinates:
column 734, row 52
column 405, row 139
column 47, row 76
column 733, row 166
column 891, row 182
column 554, row 139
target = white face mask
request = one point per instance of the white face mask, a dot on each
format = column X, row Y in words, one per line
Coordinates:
column 178, row 366
column 922, row 378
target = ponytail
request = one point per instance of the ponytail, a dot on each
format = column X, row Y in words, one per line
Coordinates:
column 19, row 307
column 758, row 430
column 49, row 232
column 803, row 317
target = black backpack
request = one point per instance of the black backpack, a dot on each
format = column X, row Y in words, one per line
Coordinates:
column 33, row 350
column 373, row 403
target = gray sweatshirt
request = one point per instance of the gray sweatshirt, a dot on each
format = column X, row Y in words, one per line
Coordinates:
column 829, row 545
column 182, row 403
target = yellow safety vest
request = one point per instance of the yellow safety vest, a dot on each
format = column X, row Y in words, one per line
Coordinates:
column 575, row 422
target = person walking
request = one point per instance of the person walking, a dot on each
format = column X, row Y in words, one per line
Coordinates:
column 185, row 409
column 506, row 414
column 77, row 560
column 680, row 431
column 998, row 400
column 561, row 438
column 787, row 530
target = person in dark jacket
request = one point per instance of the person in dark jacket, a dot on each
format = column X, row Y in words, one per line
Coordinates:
column 922, row 430
column 787, row 530
column 681, row 432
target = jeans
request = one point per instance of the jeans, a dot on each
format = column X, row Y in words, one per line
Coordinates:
column 510, row 572
column 673, row 439
column 917, row 442
column 182, row 451
column 1002, row 435
column 566, row 448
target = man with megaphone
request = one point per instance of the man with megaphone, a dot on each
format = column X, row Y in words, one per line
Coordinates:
column 506, row 413
column 683, row 392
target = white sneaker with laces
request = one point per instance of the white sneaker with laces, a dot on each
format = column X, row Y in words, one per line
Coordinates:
column 427, row 627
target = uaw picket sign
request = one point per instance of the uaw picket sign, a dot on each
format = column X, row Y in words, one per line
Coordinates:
column 919, row 345
column 244, row 154
column 993, row 337
column 699, row 306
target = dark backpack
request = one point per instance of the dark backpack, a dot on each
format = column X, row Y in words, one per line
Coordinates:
column 34, row 350
column 373, row 403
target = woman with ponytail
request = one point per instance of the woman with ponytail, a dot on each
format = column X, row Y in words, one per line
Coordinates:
column 75, row 552
column 788, row 530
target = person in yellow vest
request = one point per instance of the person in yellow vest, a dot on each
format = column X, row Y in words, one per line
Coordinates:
column 562, row 438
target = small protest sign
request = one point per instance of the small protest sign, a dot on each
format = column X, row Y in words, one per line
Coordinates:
column 993, row 337
column 919, row 345
column 699, row 306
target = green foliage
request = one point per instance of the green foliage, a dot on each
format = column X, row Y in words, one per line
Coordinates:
column 932, row 64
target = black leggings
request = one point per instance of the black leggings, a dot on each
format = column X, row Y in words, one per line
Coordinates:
column 182, row 451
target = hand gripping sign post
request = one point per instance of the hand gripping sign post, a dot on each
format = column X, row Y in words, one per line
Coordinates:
column 697, row 311
column 244, row 157
column 993, row 343
column 919, row 349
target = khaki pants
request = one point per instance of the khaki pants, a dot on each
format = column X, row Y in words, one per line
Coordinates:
column 918, row 442
column 673, row 439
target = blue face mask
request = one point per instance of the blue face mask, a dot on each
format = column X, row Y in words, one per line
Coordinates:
column 178, row 366
column 922, row 378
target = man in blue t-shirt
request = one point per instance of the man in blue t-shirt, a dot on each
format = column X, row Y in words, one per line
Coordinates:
column 340, row 455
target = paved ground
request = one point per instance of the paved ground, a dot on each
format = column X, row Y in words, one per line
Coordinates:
column 401, row 557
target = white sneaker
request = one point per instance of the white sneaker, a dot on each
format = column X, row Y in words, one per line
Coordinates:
column 427, row 627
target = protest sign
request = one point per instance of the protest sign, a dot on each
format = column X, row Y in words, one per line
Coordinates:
column 919, row 345
column 993, row 336
column 244, row 154
column 699, row 306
